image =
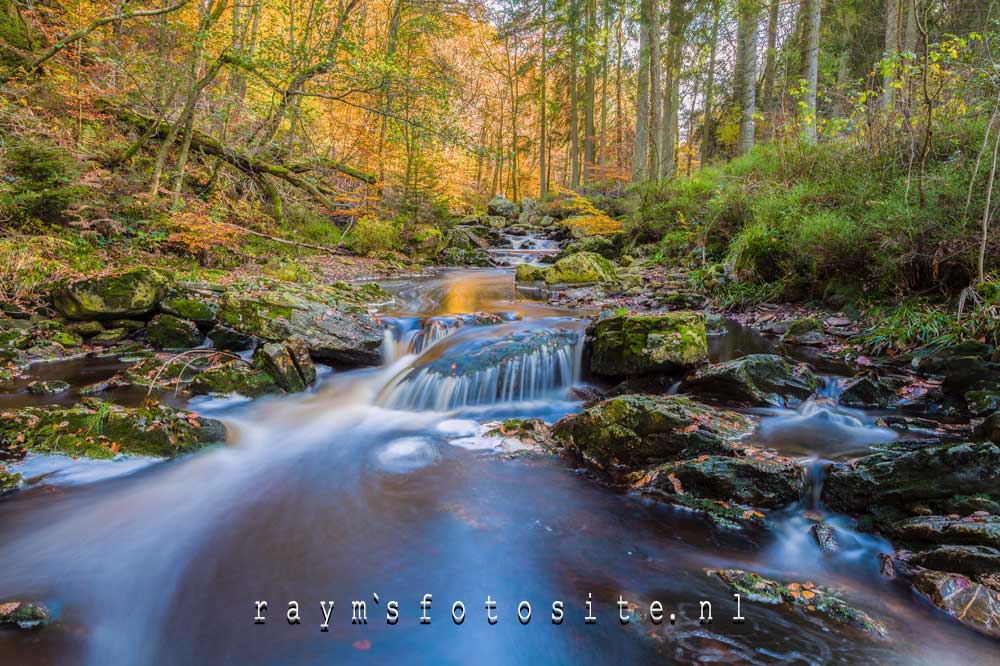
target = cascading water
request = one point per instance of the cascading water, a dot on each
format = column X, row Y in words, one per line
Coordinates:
column 512, row 364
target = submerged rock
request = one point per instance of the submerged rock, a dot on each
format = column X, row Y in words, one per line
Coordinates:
column 804, row 597
column 759, row 482
column 48, row 388
column 630, row 344
column 96, row 429
column 806, row 331
column 579, row 268
column 23, row 614
column 127, row 294
column 757, row 379
column 9, row 481
column 326, row 318
column 825, row 537
column 639, row 429
column 236, row 376
column 892, row 481
column 166, row 331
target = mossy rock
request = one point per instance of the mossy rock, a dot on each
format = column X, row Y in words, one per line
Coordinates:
column 97, row 429
column 503, row 207
column 759, row 482
column 889, row 483
column 10, row 481
column 633, row 344
column 975, row 531
column 166, row 331
column 109, row 336
column 637, row 430
column 579, row 268
column 131, row 293
column 67, row 339
column 24, row 615
column 806, row 331
column 87, row 329
column 235, row 376
column 989, row 429
column 48, row 388
column 289, row 364
column 326, row 318
column 803, row 597
column 191, row 305
column 229, row 339
column 757, row 379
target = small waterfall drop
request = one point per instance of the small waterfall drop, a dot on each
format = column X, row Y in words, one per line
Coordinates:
column 509, row 366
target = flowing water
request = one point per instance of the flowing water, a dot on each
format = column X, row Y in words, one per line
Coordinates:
column 378, row 486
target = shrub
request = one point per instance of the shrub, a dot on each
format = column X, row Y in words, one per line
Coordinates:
column 372, row 235
column 41, row 190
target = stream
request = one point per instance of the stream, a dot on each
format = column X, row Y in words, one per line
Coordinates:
column 380, row 482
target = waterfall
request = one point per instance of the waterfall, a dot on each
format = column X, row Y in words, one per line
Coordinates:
column 416, row 335
column 519, row 366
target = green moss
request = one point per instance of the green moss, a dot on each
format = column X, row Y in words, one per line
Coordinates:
column 125, row 294
column 627, row 344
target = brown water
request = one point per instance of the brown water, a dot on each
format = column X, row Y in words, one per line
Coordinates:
column 334, row 496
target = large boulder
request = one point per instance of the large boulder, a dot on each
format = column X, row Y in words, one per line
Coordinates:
column 805, row 331
column 501, row 206
column 132, row 293
column 166, row 331
column 637, row 430
column 579, row 268
column 968, row 367
column 757, row 379
column 973, row 530
column 973, row 604
column 235, row 376
column 890, row 483
column 760, row 482
column 632, row 344
column 289, row 364
column 199, row 305
column 326, row 318
column 96, row 429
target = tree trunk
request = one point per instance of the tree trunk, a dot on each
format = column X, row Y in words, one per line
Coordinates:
column 891, row 48
column 810, row 112
column 640, row 148
column 746, row 59
column 708, row 131
column 542, row 134
column 590, row 91
column 574, row 98
column 771, row 60
column 655, row 113
column 676, row 24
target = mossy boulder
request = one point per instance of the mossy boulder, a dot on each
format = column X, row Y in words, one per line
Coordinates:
column 96, row 429
column 289, row 364
column 229, row 339
column 131, row 293
column 87, row 329
column 53, row 387
column 579, row 268
column 801, row 597
column 110, row 336
column 890, row 483
column 978, row 562
column 166, row 331
column 973, row 604
column 759, row 482
column 427, row 241
column 503, row 207
column 635, row 344
column 806, row 331
column 190, row 304
column 635, row 430
column 326, row 318
column 757, row 379
column 234, row 376
column 67, row 338
column 23, row 615
column 870, row 390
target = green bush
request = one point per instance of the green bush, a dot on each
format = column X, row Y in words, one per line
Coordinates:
column 42, row 186
column 373, row 235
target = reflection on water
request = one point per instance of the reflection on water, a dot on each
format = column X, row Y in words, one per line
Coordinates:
column 331, row 495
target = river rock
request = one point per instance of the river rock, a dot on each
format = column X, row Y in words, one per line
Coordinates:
column 87, row 329
column 825, row 537
column 804, row 597
column 983, row 403
column 236, row 376
column 757, row 379
column 110, row 336
column 131, row 293
column 332, row 327
column 639, row 429
column 758, row 482
column 972, row 530
column 503, row 207
column 48, row 388
column 229, row 339
column 579, row 268
column 190, row 304
column 973, row 604
column 96, row 429
column 967, row 367
column 9, row 481
column 23, row 614
column 974, row 561
column 289, row 364
column 869, row 390
column 892, row 481
column 631, row 344
column 166, row 331
column 989, row 429
column 806, row 331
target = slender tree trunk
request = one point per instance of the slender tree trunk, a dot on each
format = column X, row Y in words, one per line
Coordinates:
column 590, row 91
column 771, row 60
column 655, row 91
column 640, row 149
column 619, row 106
column 708, row 130
column 690, row 127
column 676, row 24
column 574, row 97
column 747, row 69
column 602, row 148
column 810, row 112
column 543, row 175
